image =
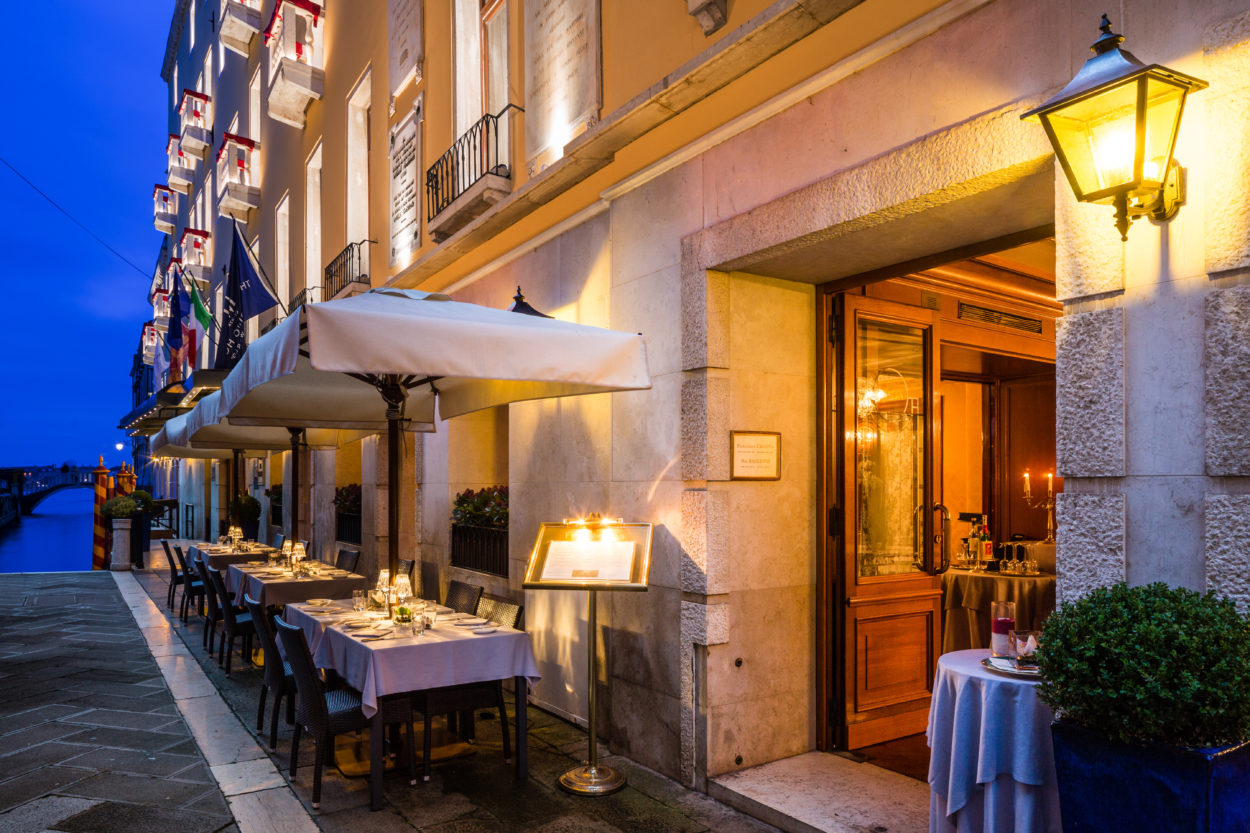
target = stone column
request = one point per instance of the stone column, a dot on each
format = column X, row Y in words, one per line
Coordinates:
column 322, row 516
column 373, row 486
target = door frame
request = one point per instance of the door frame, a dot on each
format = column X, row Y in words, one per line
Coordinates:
column 830, row 615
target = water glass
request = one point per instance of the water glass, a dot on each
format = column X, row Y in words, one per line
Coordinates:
column 1002, row 623
column 358, row 601
column 1024, row 648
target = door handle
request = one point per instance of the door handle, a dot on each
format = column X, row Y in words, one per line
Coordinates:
column 944, row 539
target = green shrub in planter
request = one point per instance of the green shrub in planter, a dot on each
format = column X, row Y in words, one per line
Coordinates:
column 1151, row 688
column 1151, row 664
column 143, row 499
column 118, row 507
column 246, row 509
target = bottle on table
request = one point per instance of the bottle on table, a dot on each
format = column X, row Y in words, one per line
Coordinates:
column 987, row 542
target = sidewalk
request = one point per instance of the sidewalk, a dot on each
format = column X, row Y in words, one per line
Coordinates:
column 90, row 737
column 473, row 793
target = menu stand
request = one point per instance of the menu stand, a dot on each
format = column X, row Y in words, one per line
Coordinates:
column 592, row 555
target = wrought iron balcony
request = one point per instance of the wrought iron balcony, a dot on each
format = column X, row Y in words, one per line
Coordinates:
column 240, row 22
column 471, row 176
column 307, row 295
column 348, row 273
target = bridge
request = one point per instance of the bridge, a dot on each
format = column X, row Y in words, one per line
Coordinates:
column 31, row 485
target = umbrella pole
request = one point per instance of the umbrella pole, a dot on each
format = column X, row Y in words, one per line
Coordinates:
column 235, row 457
column 294, row 534
column 395, row 395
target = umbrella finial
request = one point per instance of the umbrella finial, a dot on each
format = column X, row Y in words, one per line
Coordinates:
column 519, row 305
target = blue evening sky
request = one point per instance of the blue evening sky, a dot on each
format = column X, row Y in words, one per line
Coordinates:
column 83, row 114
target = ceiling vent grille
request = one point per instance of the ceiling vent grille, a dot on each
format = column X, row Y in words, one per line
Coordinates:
column 971, row 312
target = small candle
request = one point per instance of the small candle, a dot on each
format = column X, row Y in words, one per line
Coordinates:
column 1028, row 493
column 1050, row 484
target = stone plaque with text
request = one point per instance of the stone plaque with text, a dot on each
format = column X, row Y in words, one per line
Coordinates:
column 563, row 75
column 405, row 188
column 404, row 42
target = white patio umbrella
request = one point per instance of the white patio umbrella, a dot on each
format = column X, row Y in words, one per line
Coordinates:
column 403, row 355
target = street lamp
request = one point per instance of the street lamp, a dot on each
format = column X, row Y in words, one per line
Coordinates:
column 1114, row 128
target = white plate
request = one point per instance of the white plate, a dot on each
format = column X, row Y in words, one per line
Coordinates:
column 357, row 624
column 1005, row 665
column 319, row 602
column 483, row 630
column 471, row 623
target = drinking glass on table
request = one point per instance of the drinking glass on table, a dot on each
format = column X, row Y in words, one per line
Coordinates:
column 1002, row 623
column 358, row 601
column 1024, row 648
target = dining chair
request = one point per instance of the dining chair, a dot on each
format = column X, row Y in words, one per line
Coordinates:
column 234, row 625
column 462, row 596
column 212, row 608
column 175, row 576
column 279, row 679
column 192, row 589
column 461, row 701
column 347, row 560
column 324, row 714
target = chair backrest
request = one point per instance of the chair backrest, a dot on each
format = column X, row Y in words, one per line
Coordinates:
column 347, row 560
column 274, row 672
column 210, row 591
column 462, row 597
column 500, row 611
column 182, row 563
column 169, row 555
column 312, row 697
column 223, row 596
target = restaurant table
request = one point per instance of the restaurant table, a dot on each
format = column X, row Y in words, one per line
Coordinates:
column 268, row 589
column 991, row 761
column 219, row 558
column 966, row 598
column 394, row 667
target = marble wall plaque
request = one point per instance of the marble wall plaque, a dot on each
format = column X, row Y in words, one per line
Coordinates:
column 405, row 156
column 563, row 75
column 404, row 42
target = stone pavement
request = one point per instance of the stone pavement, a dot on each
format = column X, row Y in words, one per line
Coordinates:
column 477, row 793
column 90, row 738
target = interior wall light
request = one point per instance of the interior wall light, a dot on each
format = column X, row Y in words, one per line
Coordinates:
column 1114, row 128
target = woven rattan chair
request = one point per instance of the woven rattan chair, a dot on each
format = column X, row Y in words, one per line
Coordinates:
column 347, row 560
column 324, row 714
column 236, row 623
column 192, row 588
column 279, row 680
column 212, row 607
column 462, row 596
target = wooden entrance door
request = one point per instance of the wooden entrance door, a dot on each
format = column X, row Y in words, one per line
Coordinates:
column 882, row 489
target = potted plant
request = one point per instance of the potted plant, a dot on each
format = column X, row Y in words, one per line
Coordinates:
column 479, row 530
column 140, row 526
column 347, row 503
column 274, row 493
column 118, row 511
column 1151, row 691
column 246, row 510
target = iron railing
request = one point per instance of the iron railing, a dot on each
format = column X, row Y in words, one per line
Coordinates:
column 347, row 527
column 474, row 155
column 304, row 296
column 349, row 266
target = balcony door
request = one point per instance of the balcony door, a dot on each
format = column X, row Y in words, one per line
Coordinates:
column 881, row 534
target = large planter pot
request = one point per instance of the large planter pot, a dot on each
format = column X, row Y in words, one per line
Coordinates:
column 1106, row 786
column 140, row 537
column 251, row 529
column 121, row 544
column 480, row 548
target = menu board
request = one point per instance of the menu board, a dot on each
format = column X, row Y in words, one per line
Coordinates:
column 596, row 557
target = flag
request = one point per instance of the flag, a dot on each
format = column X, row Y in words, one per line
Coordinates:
column 232, row 337
column 200, row 310
column 255, row 296
column 175, row 339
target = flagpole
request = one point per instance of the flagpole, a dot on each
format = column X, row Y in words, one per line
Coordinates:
column 261, row 269
column 182, row 274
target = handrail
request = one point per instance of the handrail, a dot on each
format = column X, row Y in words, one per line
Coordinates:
column 473, row 156
column 349, row 266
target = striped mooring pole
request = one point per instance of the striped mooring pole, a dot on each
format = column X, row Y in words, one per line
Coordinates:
column 99, row 543
column 125, row 480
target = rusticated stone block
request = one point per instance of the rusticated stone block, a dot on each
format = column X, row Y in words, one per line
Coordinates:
column 1227, row 394
column 1091, row 543
column 705, row 428
column 704, row 312
column 1089, row 406
column 705, row 542
column 1089, row 255
column 701, row 625
column 1228, row 547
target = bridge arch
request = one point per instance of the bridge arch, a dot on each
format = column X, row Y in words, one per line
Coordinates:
column 31, row 501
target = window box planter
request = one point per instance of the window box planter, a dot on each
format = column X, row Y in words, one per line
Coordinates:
column 480, row 548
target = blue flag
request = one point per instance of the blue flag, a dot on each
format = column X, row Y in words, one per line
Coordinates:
column 178, row 302
column 254, row 296
column 232, row 340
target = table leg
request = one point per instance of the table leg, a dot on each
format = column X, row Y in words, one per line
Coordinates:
column 377, row 740
column 521, row 695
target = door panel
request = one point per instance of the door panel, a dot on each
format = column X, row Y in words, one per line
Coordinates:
column 890, row 589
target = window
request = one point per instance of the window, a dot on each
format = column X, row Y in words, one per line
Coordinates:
column 312, row 222
column 467, row 40
column 206, row 83
column 358, row 108
column 282, row 250
column 191, row 27
column 495, row 67
column 253, row 107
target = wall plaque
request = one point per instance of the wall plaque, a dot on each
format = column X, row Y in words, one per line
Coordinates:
column 405, row 156
column 754, row 455
column 563, row 75
column 404, row 42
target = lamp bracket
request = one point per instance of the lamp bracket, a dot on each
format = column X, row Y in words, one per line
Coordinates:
column 1163, row 207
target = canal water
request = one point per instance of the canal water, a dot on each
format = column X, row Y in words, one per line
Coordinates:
column 55, row 538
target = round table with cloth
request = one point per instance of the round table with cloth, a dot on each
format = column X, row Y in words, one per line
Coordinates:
column 991, row 761
column 966, row 598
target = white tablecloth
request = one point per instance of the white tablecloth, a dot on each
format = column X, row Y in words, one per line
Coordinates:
column 991, row 764
column 219, row 558
column 446, row 655
column 284, row 590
